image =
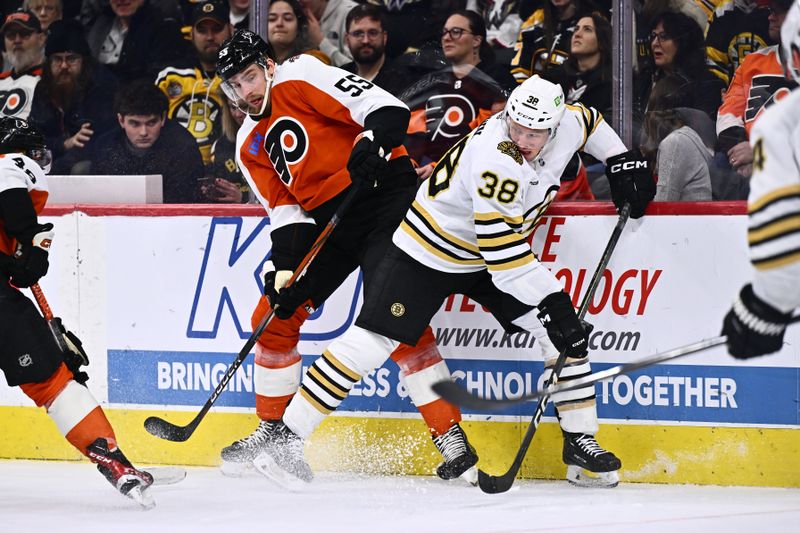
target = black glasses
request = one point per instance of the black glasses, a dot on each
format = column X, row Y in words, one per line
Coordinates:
column 661, row 36
column 371, row 34
column 455, row 33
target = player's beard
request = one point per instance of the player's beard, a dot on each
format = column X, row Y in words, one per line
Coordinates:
column 368, row 55
column 22, row 60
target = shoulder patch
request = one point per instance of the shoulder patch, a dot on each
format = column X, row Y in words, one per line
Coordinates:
column 511, row 150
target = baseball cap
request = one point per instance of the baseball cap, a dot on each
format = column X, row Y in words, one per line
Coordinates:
column 23, row 18
column 216, row 10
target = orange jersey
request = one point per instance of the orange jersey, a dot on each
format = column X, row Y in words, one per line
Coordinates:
column 18, row 171
column 757, row 84
column 296, row 158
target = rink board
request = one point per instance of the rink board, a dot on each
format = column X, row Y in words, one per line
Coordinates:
column 162, row 299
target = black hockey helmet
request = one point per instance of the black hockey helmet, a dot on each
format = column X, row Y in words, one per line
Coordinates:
column 19, row 136
column 240, row 50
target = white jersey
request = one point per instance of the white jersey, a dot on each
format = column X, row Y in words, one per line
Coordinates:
column 18, row 171
column 774, row 204
column 477, row 210
column 16, row 93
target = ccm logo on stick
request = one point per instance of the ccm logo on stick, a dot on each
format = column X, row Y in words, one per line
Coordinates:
column 628, row 165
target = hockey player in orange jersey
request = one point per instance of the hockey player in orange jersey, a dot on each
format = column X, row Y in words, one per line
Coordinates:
column 312, row 132
column 29, row 355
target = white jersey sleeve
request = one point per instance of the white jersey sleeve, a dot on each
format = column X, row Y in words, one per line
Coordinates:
column 18, row 171
column 773, row 206
column 600, row 139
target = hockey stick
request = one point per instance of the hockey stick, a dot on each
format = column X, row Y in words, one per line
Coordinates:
column 459, row 396
column 496, row 484
column 168, row 431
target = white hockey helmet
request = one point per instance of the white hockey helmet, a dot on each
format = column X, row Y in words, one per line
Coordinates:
column 536, row 104
column 790, row 42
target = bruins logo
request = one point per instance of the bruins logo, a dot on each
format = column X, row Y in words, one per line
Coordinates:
column 398, row 309
column 286, row 142
column 511, row 150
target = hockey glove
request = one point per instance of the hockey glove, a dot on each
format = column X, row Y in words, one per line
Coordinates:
column 565, row 329
column 631, row 181
column 74, row 355
column 284, row 301
column 753, row 327
column 367, row 164
column 31, row 257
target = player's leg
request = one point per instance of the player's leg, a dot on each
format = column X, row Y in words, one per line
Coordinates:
column 31, row 359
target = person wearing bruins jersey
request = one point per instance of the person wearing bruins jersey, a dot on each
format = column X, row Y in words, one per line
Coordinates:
column 194, row 94
column 738, row 28
column 757, row 321
column 466, row 233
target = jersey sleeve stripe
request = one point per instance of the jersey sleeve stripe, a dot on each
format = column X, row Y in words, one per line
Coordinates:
column 774, row 230
column 517, row 261
column 777, row 260
column 487, row 219
column 434, row 248
column 452, row 240
column 500, row 242
column 792, row 191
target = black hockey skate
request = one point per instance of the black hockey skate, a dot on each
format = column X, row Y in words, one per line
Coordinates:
column 121, row 473
column 282, row 459
column 588, row 464
column 237, row 458
column 459, row 456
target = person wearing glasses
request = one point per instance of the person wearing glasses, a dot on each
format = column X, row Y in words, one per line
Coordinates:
column 73, row 102
column 24, row 41
column 366, row 40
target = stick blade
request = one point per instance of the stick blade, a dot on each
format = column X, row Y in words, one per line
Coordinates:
column 162, row 429
column 494, row 484
column 458, row 395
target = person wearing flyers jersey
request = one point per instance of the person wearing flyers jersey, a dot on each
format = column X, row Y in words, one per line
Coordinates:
column 314, row 131
column 29, row 354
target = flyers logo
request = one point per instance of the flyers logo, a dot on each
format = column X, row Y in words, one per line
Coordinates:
column 765, row 90
column 12, row 102
column 286, row 144
column 448, row 116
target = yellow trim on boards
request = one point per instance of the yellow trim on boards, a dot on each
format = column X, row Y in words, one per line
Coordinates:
column 766, row 457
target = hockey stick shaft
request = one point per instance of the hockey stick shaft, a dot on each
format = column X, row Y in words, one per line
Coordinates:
column 53, row 323
column 168, row 431
column 495, row 484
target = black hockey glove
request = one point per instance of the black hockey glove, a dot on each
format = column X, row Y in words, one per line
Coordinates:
column 30, row 259
column 74, row 355
column 566, row 331
column 631, row 181
column 284, row 300
column 753, row 327
column 367, row 164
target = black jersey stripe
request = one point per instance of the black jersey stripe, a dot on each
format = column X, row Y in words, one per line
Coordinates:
column 428, row 224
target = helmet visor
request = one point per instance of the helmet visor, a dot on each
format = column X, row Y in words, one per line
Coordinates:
column 248, row 90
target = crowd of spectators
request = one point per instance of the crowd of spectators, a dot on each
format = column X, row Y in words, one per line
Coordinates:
column 129, row 86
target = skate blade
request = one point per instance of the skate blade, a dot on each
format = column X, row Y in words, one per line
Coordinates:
column 232, row 469
column 167, row 475
column 471, row 476
column 143, row 497
column 265, row 464
column 584, row 478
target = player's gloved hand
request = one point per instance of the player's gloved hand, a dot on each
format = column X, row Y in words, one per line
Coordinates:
column 565, row 330
column 753, row 327
column 631, row 181
column 31, row 257
column 74, row 356
column 283, row 300
column 367, row 164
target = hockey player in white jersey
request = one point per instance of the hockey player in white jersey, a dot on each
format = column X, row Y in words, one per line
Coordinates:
column 466, row 233
column 756, row 323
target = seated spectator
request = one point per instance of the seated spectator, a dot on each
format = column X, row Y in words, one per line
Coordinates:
column 366, row 40
column 73, row 102
column 426, row 17
column 676, row 43
column 240, row 14
column 737, row 29
column 678, row 154
column 585, row 76
column 544, row 39
column 448, row 104
column 47, row 11
column 225, row 183
column 288, row 31
column 24, row 42
column 502, row 21
column 148, row 143
column 758, row 82
column 327, row 26
column 135, row 40
column 194, row 93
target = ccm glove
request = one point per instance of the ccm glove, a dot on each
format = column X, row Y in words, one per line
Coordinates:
column 753, row 326
column 283, row 300
column 74, row 355
column 367, row 164
column 631, row 181
column 566, row 331
column 31, row 257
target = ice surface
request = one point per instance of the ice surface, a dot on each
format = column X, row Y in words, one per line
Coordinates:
column 57, row 496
